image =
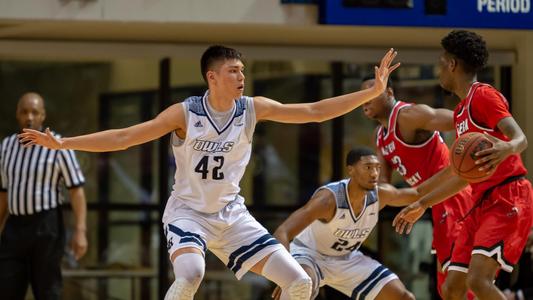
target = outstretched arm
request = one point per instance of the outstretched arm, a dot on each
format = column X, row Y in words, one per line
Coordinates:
column 421, row 116
column 326, row 109
column 170, row 119
column 392, row 196
column 320, row 207
column 433, row 191
column 440, row 187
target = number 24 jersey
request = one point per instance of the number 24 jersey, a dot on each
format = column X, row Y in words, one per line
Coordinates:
column 345, row 232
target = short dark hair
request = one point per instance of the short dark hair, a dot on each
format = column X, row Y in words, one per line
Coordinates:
column 214, row 54
column 355, row 155
column 467, row 46
column 372, row 77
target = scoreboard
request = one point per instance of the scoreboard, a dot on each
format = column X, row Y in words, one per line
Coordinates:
column 504, row 14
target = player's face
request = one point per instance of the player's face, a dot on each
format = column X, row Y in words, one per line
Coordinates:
column 228, row 77
column 377, row 107
column 445, row 68
column 366, row 172
column 30, row 114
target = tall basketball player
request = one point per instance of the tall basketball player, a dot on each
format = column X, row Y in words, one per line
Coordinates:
column 495, row 232
column 212, row 140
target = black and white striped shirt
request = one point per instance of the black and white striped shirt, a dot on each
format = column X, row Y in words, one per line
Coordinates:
column 33, row 177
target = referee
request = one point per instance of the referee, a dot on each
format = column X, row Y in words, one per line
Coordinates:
column 32, row 181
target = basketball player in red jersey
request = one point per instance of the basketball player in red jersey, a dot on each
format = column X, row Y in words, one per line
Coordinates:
column 494, row 233
column 407, row 141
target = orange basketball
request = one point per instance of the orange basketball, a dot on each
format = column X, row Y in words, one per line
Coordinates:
column 463, row 156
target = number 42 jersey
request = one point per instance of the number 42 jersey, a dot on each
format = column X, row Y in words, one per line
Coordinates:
column 212, row 158
column 345, row 232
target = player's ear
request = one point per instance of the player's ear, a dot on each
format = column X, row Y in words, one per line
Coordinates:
column 453, row 64
column 210, row 75
column 350, row 170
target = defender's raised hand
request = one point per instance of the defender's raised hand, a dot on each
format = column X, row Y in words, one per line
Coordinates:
column 382, row 72
column 34, row 137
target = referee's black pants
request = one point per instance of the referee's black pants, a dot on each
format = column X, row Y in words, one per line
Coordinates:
column 31, row 248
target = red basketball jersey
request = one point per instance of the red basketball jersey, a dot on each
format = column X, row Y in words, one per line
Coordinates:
column 481, row 111
column 416, row 163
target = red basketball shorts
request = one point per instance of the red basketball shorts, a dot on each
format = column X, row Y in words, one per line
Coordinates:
column 497, row 227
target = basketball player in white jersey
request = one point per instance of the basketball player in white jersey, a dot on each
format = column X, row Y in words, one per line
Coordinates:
column 327, row 231
column 212, row 140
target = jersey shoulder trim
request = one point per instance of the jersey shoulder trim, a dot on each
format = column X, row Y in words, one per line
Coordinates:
column 195, row 105
column 338, row 189
column 240, row 107
column 372, row 197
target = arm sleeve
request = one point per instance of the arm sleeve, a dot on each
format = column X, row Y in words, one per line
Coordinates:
column 70, row 169
column 489, row 107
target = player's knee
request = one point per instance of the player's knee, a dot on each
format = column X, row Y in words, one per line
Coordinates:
column 300, row 289
column 189, row 269
column 478, row 284
column 449, row 292
column 188, row 272
column 195, row 276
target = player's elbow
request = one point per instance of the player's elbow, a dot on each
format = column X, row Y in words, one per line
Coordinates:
column 122, row 139
column 316, row 114
column 520, row 144
column 319, row 116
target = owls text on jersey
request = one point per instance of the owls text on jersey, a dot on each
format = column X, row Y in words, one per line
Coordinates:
column 211, row 160
column 346, row 231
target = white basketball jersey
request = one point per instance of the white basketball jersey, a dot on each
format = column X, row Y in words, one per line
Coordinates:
column 346, row 231
column 211, row 161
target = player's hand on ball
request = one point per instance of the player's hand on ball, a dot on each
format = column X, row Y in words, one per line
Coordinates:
column 490, row 158
column 31, row 137
column 407, row 217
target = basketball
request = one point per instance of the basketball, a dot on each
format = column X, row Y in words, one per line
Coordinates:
column 463, row 156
